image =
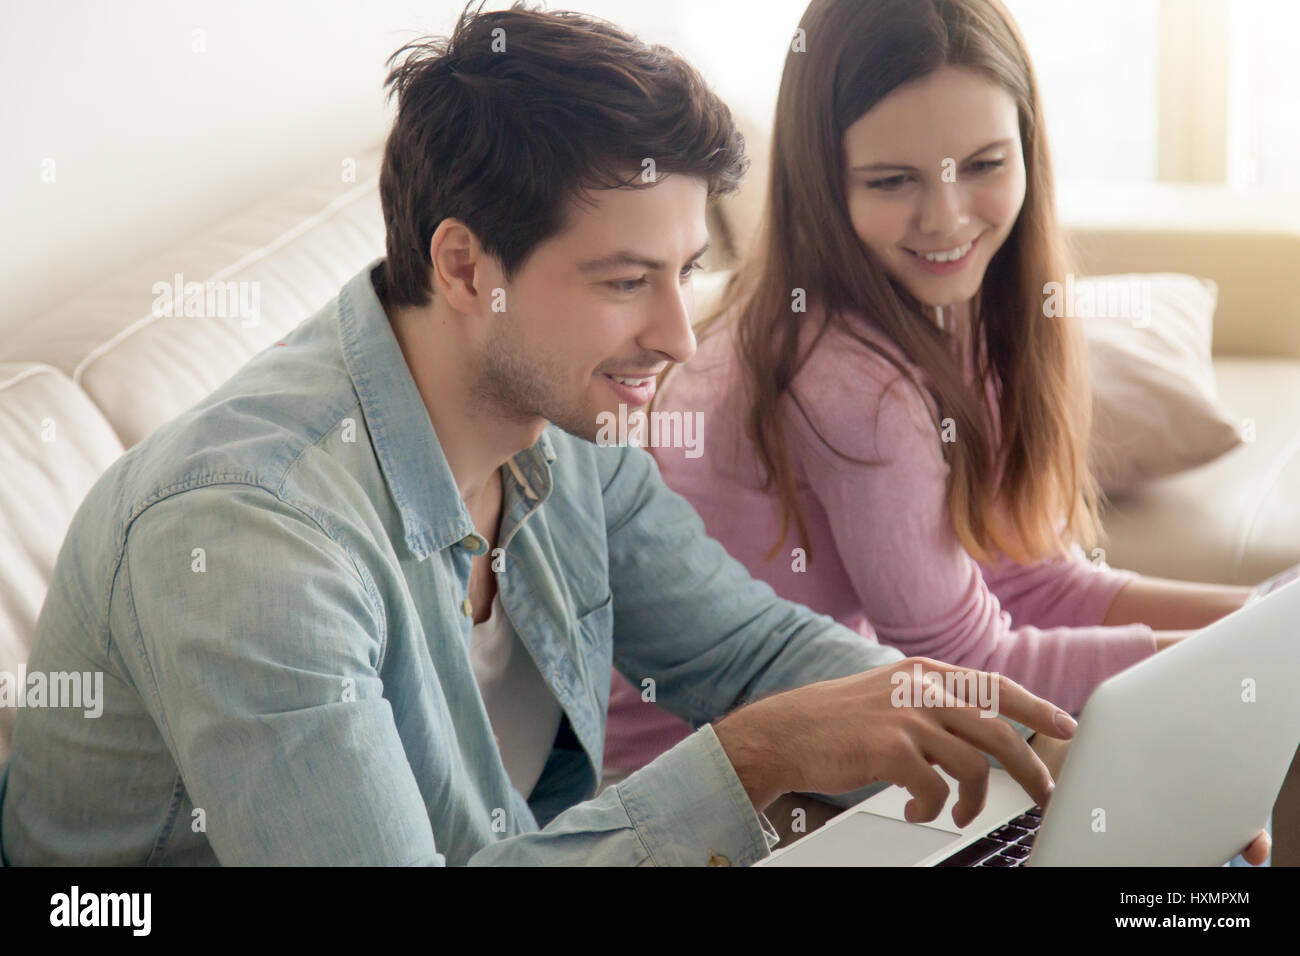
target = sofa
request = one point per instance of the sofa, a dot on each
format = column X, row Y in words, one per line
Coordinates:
column 84, row 382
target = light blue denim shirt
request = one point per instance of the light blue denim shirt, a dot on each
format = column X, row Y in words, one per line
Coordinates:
column 274, row 588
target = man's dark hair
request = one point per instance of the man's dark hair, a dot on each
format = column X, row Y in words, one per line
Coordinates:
column 501, row 139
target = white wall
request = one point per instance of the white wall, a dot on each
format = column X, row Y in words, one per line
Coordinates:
column 152, row 140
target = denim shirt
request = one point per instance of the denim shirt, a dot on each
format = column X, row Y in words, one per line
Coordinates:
column 274, row 586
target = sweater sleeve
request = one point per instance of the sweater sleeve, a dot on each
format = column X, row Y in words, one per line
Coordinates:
column 921, row 590
column 1068, row 591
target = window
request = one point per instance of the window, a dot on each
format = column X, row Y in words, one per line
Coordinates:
column 1097, row 67
column 1189, row 91
column 1134, row 91
column 1263, row 115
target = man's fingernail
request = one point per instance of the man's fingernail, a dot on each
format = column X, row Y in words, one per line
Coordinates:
column 1066, row 724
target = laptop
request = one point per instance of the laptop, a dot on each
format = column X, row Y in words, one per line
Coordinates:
column 1177, row 761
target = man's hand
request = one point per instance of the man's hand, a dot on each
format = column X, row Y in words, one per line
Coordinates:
column 839, row 735
column 1051, row 751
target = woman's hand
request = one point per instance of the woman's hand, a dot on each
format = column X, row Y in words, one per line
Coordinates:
column 1170, row 638
column 1258, row 852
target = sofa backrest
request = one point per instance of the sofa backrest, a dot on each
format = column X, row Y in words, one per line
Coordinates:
column 285, row 257
column 54, row 444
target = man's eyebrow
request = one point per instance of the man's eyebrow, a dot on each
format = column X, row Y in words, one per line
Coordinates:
column 911, row 169
column 625, row 258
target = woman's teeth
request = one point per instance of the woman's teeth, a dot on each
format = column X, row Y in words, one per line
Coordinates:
column 949, row 256
column 630, row 381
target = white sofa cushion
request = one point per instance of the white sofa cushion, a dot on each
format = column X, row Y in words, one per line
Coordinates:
column 54, row 444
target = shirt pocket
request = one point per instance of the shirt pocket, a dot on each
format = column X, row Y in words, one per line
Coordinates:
column 596, row 624
column 595, row 628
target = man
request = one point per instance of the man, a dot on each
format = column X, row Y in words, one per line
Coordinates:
column 360, row 605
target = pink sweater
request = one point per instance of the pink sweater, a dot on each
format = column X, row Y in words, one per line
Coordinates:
column 884, row 559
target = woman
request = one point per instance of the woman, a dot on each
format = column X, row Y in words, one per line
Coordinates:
column 895, row 432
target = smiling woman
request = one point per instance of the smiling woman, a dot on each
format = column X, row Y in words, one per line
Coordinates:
column 908, row 453
column 930, row 136
column 906, row 213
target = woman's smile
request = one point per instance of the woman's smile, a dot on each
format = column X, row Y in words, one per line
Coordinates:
column 944, row 262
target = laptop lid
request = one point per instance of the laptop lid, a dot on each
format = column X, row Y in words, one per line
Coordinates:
column 1179, row 759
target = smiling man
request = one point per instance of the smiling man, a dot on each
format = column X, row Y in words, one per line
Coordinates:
column 360, row 605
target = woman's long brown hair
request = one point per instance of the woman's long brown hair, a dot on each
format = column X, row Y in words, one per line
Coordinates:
column 857, row 52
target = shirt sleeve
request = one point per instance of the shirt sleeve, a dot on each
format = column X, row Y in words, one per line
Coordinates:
column 921, row 590
column 257, row 647
column 686, row 807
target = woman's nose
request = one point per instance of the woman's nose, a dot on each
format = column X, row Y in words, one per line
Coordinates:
column 943, row 210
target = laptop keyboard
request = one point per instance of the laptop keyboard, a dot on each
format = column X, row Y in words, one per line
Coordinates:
column 1007, row 845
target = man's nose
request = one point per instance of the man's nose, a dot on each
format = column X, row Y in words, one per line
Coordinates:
column 670, row 331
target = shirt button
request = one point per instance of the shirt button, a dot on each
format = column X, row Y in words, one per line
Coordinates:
column 718, row 859
column 467, row 607
column 469, row 542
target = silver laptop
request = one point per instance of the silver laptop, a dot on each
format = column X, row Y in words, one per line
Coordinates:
column 1177, row 762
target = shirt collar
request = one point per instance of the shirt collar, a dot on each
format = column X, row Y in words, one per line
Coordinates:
column 410, row 456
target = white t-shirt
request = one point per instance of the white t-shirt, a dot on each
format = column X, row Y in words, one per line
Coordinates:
column 524, row 713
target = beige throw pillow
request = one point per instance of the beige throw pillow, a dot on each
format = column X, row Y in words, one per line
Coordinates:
column 1156, row 408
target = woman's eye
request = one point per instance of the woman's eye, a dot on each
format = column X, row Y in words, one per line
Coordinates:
column 692, row 268
column 893, row 182
column 897, row 182
column 627, row 285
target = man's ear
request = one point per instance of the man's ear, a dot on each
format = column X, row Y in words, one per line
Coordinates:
column 456, row 254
